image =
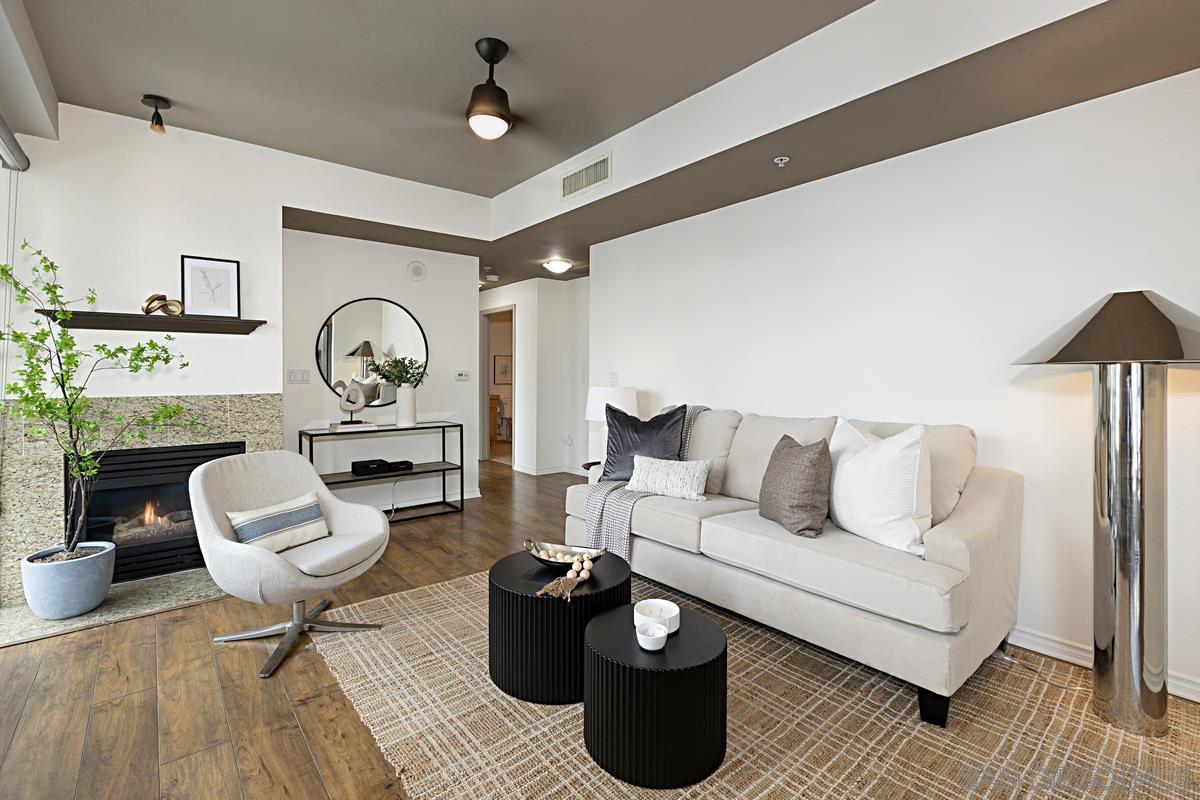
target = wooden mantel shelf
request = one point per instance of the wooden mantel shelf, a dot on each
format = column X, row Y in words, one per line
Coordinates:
column 112, row 321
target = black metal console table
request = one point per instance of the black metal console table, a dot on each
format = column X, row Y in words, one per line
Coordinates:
column 443, row 467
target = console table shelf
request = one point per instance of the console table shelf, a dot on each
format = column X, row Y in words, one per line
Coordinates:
column 442, row 467
column 334, row 479
column 113, row 321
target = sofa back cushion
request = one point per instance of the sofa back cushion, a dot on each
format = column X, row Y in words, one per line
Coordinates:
column 712, row 434
column 754, row 442
column 952, row 451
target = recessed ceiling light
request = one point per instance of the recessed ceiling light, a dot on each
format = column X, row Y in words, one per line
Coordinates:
column 488, row 113
column 557, row 265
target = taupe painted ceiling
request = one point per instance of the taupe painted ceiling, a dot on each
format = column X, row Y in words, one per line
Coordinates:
column 1104, row 49
column 383, row 84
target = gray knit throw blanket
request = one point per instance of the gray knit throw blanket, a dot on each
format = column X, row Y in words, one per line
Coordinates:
column 610, row 504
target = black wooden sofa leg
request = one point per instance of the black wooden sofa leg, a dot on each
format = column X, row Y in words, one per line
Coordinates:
column 934, row 708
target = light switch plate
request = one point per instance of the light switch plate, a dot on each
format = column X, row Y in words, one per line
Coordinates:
column 612, row 378
column 297, row 376
column 462, row 375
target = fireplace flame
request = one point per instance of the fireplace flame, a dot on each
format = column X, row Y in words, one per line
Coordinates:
column 149, row 517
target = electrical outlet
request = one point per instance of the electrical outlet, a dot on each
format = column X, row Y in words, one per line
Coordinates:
column 568, row 441
column 297, row 376
column 462, row 375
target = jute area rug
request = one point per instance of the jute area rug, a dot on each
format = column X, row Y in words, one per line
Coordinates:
column 802, row 722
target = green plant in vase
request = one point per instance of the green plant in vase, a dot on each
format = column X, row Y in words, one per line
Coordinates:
column 406, row 374
column 399, row 371
column 49, row 391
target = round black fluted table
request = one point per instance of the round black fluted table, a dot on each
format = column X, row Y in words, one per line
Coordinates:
column 655, row 719
column 535, row 644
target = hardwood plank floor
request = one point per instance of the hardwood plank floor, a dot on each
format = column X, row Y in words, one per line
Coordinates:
column 151, row 707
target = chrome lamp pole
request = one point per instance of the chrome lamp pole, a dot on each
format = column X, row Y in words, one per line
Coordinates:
column 1129, row 337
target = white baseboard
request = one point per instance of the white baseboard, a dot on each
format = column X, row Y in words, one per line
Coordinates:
column 583, row 473
column 541, row 470
column 1185, row 686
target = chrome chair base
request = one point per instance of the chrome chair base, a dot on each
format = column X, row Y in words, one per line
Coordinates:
column 291, row 630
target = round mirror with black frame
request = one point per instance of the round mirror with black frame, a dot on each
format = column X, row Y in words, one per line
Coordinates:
column 365, row 329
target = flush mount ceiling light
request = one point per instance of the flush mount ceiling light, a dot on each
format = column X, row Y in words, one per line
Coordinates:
column 157, row 103
column 557, row 265
column 488, row 113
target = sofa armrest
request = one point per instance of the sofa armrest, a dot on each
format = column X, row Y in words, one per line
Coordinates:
column 595, row 470
column 985, row 523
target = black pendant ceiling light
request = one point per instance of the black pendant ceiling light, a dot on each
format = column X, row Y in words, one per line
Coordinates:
column 156, row 102
column 488, row 113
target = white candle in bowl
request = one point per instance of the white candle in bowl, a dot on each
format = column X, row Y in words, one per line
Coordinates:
column 655, row 610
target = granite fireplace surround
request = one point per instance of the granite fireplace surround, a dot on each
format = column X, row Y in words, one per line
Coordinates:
column 31, row 477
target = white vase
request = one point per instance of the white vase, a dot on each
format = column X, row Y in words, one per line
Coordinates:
column 406, row 405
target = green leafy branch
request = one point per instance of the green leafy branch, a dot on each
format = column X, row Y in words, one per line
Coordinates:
column 49, row 386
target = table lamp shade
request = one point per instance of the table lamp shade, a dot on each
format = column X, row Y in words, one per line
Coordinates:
column 1142, row 327
column 364, row 350
column 622, row 397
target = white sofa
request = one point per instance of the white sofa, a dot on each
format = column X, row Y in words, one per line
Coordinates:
column 930, row 621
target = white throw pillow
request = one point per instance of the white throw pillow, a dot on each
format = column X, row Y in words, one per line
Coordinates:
column 881, row 487
column 682, row 479
column 281, row 526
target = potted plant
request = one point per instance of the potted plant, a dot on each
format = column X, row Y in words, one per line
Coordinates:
column 406, row 374
column 49, row 391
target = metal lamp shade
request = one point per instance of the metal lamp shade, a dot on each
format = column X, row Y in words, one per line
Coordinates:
column 1140, row 327
column 1130, row 337
column 488, row 113
column 364, row 350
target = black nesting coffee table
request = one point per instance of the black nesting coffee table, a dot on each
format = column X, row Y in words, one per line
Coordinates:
column 535, row 644
column 655, row 719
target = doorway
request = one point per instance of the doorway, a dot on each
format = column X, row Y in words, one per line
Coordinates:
column 500, row 371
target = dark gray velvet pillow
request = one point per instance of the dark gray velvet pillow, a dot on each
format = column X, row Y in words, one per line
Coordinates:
column 628, row 436
column 795, row 487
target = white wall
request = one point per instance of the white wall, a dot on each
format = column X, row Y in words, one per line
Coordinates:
column 117, row 205
column 904, row 291
column 315, row 282
column 881, row 44
column 548, row 361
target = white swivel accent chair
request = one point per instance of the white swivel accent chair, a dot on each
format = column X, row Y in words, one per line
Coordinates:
column 244, row 482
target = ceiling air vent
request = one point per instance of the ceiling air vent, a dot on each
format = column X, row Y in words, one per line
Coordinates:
column 588, row 177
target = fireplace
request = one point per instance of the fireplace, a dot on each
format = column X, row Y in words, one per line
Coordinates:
column 140, row 503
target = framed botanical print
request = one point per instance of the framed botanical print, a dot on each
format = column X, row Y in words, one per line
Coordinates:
column 211, row 286
column 502, row 370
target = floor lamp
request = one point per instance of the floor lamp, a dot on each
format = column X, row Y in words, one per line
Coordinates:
column 1130, row 338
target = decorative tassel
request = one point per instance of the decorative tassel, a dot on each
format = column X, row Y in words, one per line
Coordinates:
column 560, row 587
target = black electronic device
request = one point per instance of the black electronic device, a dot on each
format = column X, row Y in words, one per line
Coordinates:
column 370, row 466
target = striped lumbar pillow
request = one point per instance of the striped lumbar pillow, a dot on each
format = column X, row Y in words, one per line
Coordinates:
column 281, row 526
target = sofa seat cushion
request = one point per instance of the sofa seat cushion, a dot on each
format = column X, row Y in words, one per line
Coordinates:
column 334, row 554
column 843, row 567
column 667, row 520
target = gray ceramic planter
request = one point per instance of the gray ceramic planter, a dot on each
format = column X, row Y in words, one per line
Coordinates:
column 62, row 589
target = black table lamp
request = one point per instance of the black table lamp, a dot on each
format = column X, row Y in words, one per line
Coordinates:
column 1130, row 337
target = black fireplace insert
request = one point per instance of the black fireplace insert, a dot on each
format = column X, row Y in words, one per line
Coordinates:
column 140, row 503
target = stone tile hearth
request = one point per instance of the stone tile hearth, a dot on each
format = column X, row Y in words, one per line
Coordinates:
column 31, row 494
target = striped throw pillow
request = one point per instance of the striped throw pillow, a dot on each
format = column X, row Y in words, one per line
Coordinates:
column 281, row 526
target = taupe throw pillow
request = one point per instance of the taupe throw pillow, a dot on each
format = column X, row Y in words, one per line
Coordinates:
column 795, row 487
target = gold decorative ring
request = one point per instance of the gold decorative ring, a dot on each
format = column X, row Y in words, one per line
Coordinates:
column 160, row 302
